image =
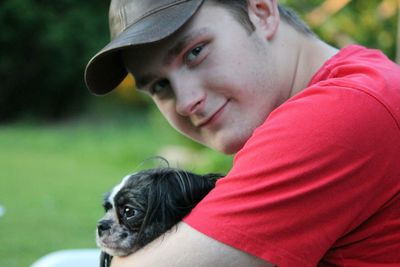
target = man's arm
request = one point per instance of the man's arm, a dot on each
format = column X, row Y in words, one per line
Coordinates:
column 187, row 247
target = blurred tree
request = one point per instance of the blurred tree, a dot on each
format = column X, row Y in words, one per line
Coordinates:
column 128, row 95
column 45, row 45
column 370, row 23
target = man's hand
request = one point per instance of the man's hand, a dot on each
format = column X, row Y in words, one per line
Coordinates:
column 184, row 246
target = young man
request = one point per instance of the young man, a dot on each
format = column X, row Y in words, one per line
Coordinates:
column 316, row 132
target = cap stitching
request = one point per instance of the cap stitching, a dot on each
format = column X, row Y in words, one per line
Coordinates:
column 123, row 15
column 151, row 12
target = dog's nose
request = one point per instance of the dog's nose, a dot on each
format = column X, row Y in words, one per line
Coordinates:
column 103, row 226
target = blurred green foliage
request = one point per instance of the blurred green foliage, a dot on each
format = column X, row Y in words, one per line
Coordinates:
column 363, row 22
column 46, row 44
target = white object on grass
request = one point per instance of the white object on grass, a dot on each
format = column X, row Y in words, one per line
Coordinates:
column 70, row 258
column 2, row 211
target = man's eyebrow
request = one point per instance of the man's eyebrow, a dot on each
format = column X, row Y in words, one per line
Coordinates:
column 182, row 42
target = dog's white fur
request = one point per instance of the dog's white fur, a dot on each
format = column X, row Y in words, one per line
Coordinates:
column 117, row 188
column 112, row 215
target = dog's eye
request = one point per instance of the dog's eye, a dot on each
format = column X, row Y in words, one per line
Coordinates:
column 129, row 212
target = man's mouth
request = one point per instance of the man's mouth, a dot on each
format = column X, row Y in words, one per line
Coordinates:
column 213, row 117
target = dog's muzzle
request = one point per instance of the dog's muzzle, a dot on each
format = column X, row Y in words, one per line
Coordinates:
column 103, row 226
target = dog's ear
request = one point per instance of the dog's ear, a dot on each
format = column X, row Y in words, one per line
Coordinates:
column 171, row 195
column 200, row 186
column 184, row 190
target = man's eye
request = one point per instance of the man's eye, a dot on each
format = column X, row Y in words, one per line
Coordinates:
column 129, row 212
column 159, row 87
column 194, row 53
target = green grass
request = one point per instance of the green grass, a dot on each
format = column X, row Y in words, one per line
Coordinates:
column 52, row 179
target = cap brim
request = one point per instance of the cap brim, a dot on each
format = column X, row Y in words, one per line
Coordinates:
column 106, row 70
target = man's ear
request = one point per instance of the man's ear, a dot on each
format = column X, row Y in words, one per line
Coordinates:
column 264, row 15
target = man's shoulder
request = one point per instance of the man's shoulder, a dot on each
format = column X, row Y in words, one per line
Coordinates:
column 325, row 117
column 361, row 70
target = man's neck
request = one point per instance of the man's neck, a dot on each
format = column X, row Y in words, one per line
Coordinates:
column 312, row 54
column 304, row 55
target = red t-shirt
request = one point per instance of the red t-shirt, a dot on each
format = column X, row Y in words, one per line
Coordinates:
column 318, row 184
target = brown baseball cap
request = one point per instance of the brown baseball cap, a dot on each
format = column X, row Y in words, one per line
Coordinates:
column 134, row 22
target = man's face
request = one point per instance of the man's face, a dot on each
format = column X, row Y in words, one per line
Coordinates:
column 212, row 80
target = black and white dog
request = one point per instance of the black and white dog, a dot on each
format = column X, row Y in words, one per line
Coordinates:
column 145, row 205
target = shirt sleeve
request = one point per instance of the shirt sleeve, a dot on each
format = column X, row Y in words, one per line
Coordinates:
column 312, row 173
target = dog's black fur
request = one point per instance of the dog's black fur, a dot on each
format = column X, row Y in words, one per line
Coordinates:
column 146, row 205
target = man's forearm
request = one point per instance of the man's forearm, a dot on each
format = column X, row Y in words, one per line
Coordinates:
column 184, row 246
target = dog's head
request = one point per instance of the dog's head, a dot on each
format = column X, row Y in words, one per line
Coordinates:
column 147, row 204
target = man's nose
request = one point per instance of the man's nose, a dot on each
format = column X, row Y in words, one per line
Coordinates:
column 189, row 95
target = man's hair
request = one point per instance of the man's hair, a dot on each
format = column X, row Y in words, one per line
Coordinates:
column 239, row 9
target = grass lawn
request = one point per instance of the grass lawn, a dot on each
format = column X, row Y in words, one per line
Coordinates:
column 53, row 177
